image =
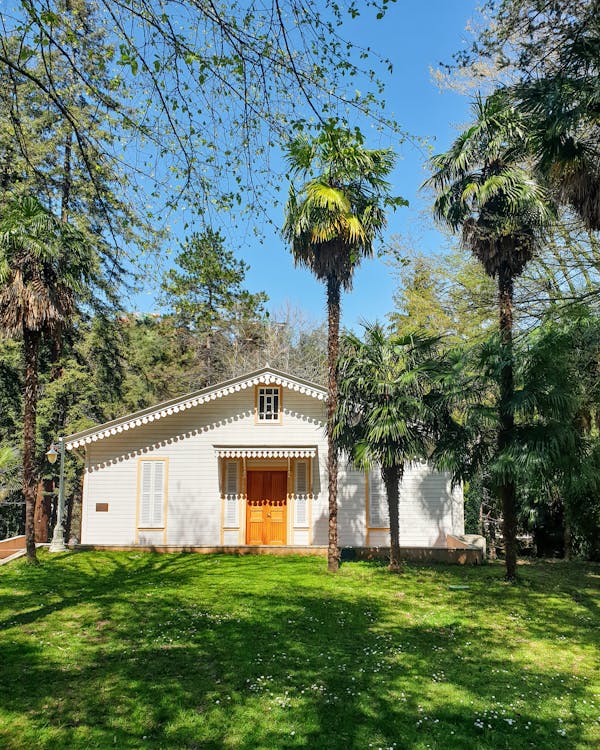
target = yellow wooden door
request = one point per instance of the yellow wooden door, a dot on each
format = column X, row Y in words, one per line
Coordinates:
column 276, row 520
column 266, row 515
column 254, row 512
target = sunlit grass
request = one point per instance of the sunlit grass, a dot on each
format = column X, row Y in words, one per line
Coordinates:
column 101, row 650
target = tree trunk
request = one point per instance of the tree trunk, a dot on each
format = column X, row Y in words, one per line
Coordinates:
column 69, row 503
column 392, row 476
column 567, row 535
column 507, row 491
column 43, row 507
column 45, row 487
column 333, row 344
column 65, row 197
column 208, row 349
column 31, row 343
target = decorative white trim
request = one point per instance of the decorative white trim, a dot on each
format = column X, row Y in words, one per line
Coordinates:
column 250, row 452
column 265, row 378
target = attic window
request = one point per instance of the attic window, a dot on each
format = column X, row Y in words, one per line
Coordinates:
column 268, row 404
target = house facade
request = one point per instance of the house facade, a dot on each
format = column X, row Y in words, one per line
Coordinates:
column 244, row 464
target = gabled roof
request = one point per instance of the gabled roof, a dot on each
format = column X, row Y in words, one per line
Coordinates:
column 264, row 376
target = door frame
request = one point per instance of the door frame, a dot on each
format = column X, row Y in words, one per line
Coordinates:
column 247, row 464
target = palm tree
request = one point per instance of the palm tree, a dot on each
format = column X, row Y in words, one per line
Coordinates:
column 560, row 102
column 485, row 190
column 562, row 117
column 384, row 415
column 44, row 267
column 331, row 223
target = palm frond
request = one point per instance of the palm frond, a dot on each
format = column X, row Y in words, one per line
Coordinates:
column 45, row 266
column 333, row 219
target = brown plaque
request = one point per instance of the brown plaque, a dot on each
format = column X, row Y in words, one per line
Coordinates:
column 101, row 507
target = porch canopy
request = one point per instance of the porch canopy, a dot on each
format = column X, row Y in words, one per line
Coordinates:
column 256, row 451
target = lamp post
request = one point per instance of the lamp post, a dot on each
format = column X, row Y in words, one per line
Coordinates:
column 58, row 537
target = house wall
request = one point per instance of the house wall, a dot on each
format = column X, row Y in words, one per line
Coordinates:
column 428, row 509
column 352, row 518
column 186, row 440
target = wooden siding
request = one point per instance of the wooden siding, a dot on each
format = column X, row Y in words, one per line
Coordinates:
column 194, row 514
column 187, row 440
column 352, row 527
column 429, row 509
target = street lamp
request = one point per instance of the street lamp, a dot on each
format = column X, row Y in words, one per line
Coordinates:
column 58, row 537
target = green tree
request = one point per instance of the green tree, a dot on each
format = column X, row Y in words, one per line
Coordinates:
column 207, row 296
column 49, row 153
column 543, row 58
column 218, row 86
column 10, row 507
column 485, row 191
column 7, row 466
column 565, row 353
column 445, row 295
column 331, row 223
column 387, row 415
column 566, row 274
column 40, row 155
column 44, row 269
column 549, row 53
column 544, row 445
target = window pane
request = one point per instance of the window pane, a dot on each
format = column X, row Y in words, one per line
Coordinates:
column 268, row 404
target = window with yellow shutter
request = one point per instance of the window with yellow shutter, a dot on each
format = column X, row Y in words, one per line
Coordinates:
column 231, row 494
column 301, row 494
column 152, row 495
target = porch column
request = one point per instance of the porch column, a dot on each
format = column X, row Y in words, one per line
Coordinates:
column 243, row 501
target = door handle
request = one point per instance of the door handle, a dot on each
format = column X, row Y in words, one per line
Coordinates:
column 268, row 515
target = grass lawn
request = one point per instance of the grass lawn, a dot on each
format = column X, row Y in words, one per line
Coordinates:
column 188, row 651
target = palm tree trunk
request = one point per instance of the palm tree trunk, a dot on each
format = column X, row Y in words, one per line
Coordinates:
column 507, row 490
column 31, row 343
column 392, row 476
column 45, row 487
column 333, row 345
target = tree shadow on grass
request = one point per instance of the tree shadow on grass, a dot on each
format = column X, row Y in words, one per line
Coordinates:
column 55, row 584
column 189, row 652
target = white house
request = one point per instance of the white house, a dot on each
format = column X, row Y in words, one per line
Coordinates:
column 243, row 464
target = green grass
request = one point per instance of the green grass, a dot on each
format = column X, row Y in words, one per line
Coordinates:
column 188, row 651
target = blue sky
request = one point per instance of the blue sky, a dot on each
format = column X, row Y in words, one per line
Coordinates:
column 414, row 35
